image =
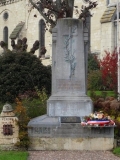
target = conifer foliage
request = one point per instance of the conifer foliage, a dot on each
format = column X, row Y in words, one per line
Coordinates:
column 21, row 72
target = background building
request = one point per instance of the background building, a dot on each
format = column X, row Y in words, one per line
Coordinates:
column 18, row 19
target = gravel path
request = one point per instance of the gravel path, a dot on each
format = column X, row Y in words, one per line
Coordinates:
column 72, row 155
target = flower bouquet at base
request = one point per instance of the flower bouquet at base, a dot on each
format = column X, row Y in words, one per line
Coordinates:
column 97, row 119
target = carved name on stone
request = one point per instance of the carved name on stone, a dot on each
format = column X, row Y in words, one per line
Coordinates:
column 40, row 130
column 64, row 109
column 65, row 85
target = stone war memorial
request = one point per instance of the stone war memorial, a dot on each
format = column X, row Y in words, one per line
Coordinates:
column 60, row 128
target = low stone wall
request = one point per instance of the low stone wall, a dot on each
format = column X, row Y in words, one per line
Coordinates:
column 71, row 143
column 8, row 147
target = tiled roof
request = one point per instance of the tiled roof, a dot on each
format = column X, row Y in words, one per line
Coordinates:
column 108, row 14
column 16, row 31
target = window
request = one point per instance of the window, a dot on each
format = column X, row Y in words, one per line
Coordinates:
column 7, row 129
column 5, row 16
column 5, row 35
column 41, row 34
column 107, row 2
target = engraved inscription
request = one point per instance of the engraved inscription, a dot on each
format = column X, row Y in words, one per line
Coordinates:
column 37, row 130
column 65, row 85
column 40, row 130
column 73, row 109
column 46, row 130
column 70, row 120
column 69, row 108
column 100, row 131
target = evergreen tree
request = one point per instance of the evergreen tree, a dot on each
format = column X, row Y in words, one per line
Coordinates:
column 20, row 72
column 93, row 63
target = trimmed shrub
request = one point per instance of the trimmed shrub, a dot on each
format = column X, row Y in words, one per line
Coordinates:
column 21, row 72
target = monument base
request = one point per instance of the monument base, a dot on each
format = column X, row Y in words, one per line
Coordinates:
column 69, row 106
column 49, row 133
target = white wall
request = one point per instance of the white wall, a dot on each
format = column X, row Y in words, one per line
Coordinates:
column 21, row 11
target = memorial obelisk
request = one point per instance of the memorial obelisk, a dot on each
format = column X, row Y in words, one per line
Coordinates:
column 69, row 71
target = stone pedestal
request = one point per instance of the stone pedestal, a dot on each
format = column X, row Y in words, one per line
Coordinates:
column 60, row 129
column 49, row 133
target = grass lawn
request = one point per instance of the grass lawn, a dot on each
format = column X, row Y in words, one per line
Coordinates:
column 116, row 151
column 13, row 155
column 102, row 93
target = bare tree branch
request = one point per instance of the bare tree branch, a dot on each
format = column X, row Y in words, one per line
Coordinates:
column 53, row 10
column 40, row 11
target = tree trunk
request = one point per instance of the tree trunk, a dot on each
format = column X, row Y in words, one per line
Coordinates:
column 58, row 2
column 71, row 5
